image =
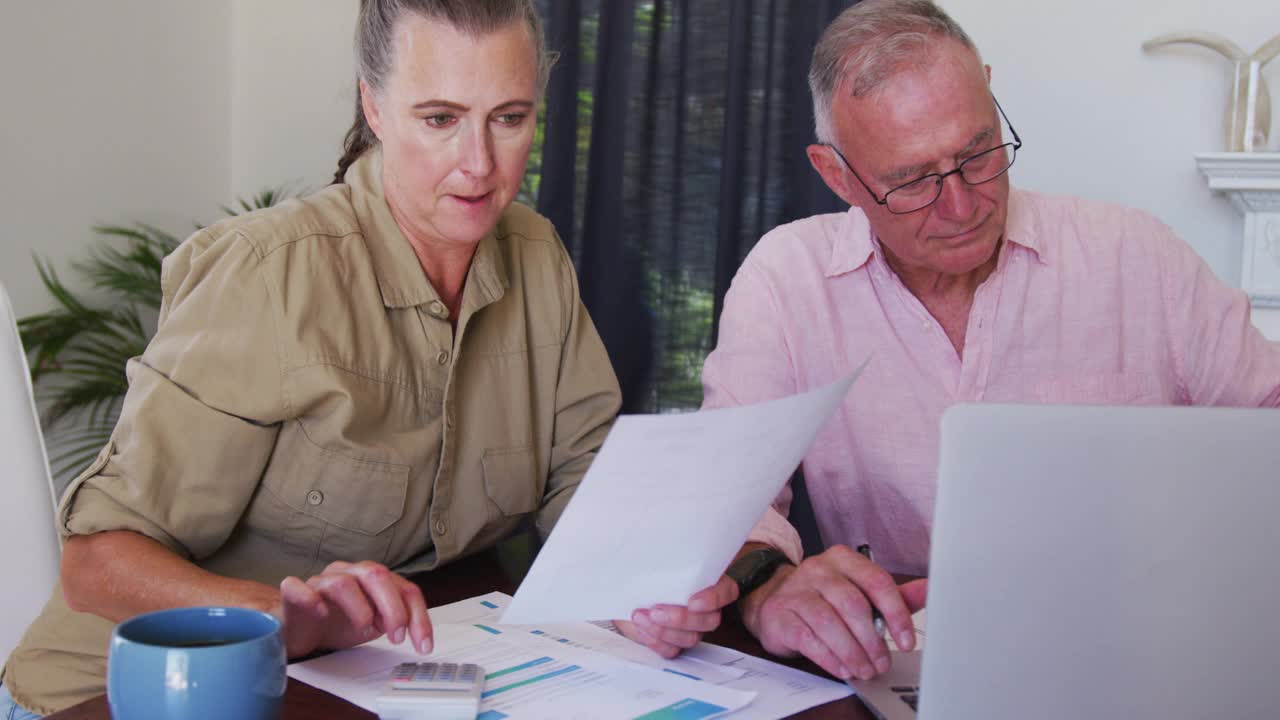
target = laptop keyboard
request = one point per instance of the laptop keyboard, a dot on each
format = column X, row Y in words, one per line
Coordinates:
column 909, row 694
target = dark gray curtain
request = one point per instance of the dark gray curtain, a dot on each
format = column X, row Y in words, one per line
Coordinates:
column 674, row 138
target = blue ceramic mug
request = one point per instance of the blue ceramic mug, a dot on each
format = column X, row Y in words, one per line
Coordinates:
column 197, row 663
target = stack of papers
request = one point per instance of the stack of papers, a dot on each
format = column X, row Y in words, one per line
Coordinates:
column 551, row 672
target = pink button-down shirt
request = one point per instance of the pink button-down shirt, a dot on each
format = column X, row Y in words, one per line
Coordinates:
column 1089, row 303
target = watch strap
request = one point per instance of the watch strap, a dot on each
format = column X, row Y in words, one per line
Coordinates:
column 753, row 569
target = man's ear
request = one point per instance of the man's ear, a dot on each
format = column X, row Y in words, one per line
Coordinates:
column 988, row 69
column 833, row 172
column 369, row 104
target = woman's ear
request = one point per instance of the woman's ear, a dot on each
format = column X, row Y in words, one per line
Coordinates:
column 369, row 104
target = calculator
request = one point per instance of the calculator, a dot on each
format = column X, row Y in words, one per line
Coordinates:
column 432, row 691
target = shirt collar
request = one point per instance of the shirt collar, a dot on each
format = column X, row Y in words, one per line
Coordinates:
column 855, row 245
column 487, row 279
column 1022, row 227
column 400, row 277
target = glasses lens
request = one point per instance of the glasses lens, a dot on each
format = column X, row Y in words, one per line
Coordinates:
column 989, row 165
column 913, row 196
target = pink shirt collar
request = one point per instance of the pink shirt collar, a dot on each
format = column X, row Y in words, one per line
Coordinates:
column 857, row 245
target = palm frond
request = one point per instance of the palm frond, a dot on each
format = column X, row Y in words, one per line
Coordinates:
column 78, row 350
column 72, row 452
column 94, row 396
column 265, row 198
column 132, row 272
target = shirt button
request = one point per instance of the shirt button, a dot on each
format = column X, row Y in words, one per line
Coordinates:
column 437, row 309
column 315, row 497
column 443, row 357
column 441, row 527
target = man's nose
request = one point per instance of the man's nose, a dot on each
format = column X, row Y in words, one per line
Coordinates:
column 957, row 198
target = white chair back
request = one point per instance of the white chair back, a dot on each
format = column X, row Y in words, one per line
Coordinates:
column 28, row 538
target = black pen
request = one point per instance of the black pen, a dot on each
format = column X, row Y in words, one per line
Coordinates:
column 865, row 551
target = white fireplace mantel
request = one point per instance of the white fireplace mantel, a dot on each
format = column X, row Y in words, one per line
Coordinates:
column 1252, row 181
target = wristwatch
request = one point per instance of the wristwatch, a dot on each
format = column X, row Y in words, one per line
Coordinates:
column 755, row 568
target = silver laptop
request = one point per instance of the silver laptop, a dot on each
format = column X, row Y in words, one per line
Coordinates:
column 1099, row 562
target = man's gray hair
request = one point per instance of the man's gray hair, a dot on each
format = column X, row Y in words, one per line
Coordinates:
column 869, row 43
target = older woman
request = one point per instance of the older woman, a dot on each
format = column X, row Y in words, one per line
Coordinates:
column 392, row 372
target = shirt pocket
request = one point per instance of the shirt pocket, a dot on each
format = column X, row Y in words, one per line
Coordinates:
column 338, row 507
column 511, row 479
column 1132, row 388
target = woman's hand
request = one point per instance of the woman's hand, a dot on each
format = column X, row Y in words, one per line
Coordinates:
column 349, row 604
column 671, row 629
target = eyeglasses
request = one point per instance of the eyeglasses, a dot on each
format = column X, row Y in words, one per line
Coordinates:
column 923, row 191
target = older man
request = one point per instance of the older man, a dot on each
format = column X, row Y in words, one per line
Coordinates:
column 960, row 290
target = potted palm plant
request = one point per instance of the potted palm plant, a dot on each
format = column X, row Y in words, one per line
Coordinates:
column 78, row 350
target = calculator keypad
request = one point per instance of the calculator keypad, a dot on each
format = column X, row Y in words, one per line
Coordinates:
column 431, row 675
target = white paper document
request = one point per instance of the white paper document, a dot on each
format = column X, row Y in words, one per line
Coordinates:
column 578, row 670
column 528, row 678
column 666, row 505
column 780, row 691
column 488, row 609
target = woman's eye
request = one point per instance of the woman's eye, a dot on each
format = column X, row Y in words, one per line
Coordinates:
column 439, row 121
column 511, row 119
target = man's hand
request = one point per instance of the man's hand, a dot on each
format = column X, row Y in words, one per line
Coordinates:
column 822, row 609
column 671, row 629
column 349, row 604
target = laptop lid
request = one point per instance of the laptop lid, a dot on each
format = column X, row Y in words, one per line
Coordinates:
column 1105, row 562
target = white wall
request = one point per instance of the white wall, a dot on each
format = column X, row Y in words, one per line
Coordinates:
column 113, row 112
column 293, row 83
column 1102, row 119
column 160, row 110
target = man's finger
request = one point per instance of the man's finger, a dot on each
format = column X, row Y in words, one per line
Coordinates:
column 855, row 612
column 799, row 637
column 915, row 593
column 832, row 629
column 881, row 591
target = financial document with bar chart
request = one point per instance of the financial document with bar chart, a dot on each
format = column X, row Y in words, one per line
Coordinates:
column 575, row 671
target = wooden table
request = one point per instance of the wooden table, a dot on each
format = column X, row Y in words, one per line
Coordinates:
column 473, row 576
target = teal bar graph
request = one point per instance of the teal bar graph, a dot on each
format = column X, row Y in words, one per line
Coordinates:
column 546, row 676
column 517, row 668
column 688, row 709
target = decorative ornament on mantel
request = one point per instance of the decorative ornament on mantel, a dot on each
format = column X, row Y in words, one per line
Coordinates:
column 1252, row 181
column 1249, row 108
column 1246, row 173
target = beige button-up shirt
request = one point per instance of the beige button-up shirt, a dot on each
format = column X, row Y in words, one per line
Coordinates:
column 306, row 400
